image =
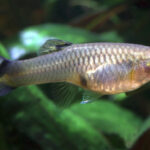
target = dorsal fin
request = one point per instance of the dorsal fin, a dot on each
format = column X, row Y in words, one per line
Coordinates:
column 53, row 45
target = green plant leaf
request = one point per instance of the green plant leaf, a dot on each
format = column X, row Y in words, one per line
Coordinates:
column 108, row 118
column 97, row 125
column 3, row 51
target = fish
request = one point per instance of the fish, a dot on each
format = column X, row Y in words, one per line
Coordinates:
column 102, row 67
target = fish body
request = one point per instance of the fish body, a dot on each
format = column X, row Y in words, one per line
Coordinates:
column 105, row 68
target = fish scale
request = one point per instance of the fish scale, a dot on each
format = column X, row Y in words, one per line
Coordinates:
column 106, row 68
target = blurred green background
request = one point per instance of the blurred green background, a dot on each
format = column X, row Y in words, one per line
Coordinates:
column 51, row 116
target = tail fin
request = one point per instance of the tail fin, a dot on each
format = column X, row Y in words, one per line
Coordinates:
column 4, row 89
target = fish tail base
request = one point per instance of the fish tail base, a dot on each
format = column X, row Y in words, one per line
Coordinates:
column 4, row 88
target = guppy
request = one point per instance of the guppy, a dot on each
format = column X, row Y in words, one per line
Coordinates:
column 105, row 68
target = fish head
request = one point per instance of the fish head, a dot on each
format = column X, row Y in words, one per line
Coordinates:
column 141, row 72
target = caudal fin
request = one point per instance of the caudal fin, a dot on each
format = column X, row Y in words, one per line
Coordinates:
column 4, row 89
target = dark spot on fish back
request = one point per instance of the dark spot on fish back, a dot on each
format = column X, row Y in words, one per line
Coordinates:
column 83, row 81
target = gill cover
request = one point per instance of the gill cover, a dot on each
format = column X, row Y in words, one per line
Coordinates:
column 53, row 45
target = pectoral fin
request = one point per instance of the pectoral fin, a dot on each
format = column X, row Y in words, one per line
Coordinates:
column 89, row 96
